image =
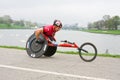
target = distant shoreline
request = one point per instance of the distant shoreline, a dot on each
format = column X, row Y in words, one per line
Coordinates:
column 113, row 32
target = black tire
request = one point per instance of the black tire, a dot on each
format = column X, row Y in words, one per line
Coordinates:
column 88, row 52
column 34, row 49
column 50, row 51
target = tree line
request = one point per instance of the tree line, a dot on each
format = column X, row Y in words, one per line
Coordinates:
column 107, row 23
column 9, row 22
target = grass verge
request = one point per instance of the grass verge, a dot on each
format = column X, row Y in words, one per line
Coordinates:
column 6, row 26
column 101, row 55
column 114, row 32
column 63, row 52
column 13, row 47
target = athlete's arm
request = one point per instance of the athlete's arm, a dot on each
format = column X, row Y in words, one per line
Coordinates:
column 54, row 37
column 53, row 34
column 38, row 32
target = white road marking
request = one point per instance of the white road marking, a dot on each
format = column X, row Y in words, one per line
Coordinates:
column 53, row 73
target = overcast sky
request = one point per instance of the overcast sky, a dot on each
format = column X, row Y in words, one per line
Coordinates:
column 68, row 11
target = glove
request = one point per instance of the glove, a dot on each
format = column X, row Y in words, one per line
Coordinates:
column 54, row 43
column 39, row 41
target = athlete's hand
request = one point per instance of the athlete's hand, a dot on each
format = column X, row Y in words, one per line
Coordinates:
column 39, row 41
column 54, row 43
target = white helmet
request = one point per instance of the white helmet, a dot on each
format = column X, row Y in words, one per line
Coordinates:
column 57, row 23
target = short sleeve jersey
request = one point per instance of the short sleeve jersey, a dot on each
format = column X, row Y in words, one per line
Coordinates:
column 48, row 30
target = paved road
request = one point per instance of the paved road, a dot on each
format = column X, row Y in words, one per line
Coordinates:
column 16, row 65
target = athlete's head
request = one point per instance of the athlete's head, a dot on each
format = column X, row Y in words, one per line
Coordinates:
column 57, row 24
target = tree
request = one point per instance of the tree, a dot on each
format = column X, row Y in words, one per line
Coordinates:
column 109, row 24
column 106, row 17
column 99, row 24
column 7, row 20
column 90, row 25
column 116, row 22
column 106, row 23
column 1, row 20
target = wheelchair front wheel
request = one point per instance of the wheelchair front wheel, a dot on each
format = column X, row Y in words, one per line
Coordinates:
column 88, row 52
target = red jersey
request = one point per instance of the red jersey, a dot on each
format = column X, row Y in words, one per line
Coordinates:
column 48, row 30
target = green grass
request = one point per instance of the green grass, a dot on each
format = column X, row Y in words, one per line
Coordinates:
column 115, row 32
column 67, row 52
column 5, row 26
column 99, row 54
column 109, row 55
column 63, row 52
column 13, row 47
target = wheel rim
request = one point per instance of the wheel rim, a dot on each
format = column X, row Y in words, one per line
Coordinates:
column 92, row 52
column 35, row 47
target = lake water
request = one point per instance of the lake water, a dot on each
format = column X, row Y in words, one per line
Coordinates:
column 105, row 43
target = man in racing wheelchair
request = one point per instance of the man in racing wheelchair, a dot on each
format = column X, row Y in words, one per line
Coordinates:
column 49, row 31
